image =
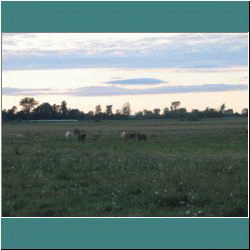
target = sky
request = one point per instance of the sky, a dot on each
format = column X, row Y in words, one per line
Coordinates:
column 148, row 70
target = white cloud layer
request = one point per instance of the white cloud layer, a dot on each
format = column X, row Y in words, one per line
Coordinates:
column 114, row 90
column 117, row 44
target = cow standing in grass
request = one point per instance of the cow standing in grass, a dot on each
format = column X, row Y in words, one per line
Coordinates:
column 75, row 134
column 76, row 131
column 141, row 137
column 69, row 135
column 81, row 136
column 124, row 135
column 132, row 135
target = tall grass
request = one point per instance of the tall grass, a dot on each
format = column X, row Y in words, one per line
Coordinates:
column 184, row 169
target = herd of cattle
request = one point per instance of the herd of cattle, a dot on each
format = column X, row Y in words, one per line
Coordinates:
column 80, row 135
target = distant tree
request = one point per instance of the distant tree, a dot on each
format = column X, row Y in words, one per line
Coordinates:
column 98, row 110
column 90, row 115
column 182, row 111
column 174, row 105
column 44, row 108
column 13, row 110
column 64, row 108
column 28, row 104
column 195, row 111
column 147, row 113
column 4, row 115
column 56, row 108
column 222, row 108
column 118, row 112
column 74, row 114
column 211, row 112
column 21, row 115
column 229, row 112
column 126, row 109
column 244, row 112
column 139, row 114
column 194, row 115
column 109, row 110
column 157, row 112
column 10, row 114
column 165, row 110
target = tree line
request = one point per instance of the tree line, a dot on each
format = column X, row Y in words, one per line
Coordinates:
column 32, row 111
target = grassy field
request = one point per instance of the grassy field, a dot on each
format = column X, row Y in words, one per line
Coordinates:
column 184, row 169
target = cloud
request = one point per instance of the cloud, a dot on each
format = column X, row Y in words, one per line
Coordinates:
column 204, row 59
column 137, row 81
column 29, row 92
column 114, row 90
column 62, row 50
column 117, row 44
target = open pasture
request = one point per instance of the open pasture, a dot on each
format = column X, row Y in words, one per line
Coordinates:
column 183, row 169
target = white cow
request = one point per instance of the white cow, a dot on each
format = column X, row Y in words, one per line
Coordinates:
column 69, row 135
column 75, row 134
column 124, row 135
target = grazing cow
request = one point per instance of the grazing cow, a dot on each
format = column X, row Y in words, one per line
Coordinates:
column 76, row 131
column 81, row 137
column 124, row 135
column 69, row 135
column 80, row 134
column 74, row 134
column 132, row 135
column 141, row 137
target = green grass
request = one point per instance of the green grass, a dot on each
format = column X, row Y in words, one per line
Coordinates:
column 184, row 169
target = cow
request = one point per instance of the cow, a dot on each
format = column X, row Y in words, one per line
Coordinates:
column 69, row 135
column 132, row 135
column 141, row 137
column 81, row 137
column 124, row 135
column 75, row 134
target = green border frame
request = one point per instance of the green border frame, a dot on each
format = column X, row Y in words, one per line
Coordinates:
column 124, row 16
column 173, row 233
column 117, row 233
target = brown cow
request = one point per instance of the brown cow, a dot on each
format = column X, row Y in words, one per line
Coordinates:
column 142, row 137
column 81, row 137
column 132, row 135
